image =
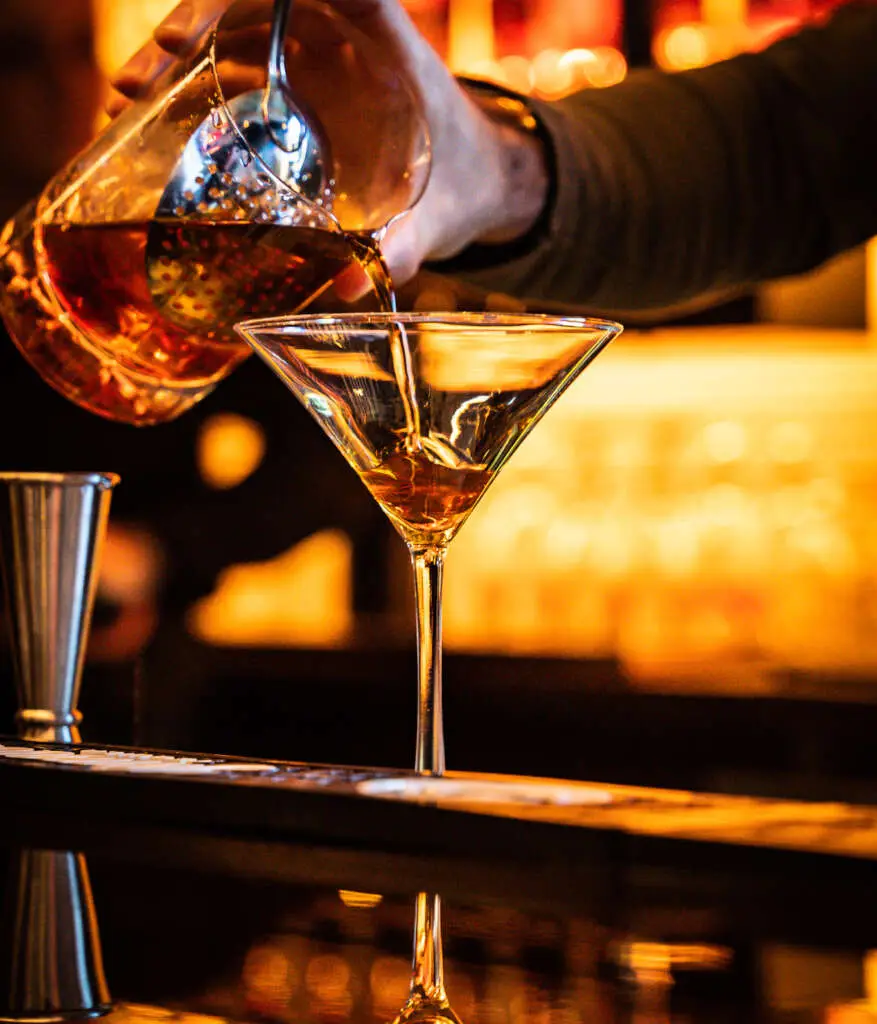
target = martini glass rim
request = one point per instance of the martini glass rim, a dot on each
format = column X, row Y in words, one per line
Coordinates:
column 301, row 323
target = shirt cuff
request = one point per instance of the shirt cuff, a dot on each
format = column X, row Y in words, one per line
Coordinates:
column 533, row 117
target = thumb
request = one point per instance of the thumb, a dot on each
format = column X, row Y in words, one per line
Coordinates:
column 404, row 247
column 400, row 251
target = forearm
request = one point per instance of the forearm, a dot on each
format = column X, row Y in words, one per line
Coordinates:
column 668, row 187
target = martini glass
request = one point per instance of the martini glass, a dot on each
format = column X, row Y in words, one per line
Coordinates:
column 428, row 408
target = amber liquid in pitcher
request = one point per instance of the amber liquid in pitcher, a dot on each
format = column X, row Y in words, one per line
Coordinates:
column 162, row 297
column 134, row 321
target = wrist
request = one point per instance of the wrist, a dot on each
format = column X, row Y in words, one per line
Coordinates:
column 518, row 165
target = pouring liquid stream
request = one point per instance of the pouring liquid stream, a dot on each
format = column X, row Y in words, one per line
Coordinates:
column 379, row 273
column 426, row 485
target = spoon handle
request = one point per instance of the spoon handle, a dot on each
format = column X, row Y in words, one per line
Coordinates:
column 277, row 51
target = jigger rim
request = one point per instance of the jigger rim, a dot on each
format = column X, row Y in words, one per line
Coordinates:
column 103, row 480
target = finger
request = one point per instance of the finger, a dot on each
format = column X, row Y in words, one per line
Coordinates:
column 179, row 31
column 238, row 78
column 137, row 73
column 117, row 104
column 403, row 248
column 186, row 23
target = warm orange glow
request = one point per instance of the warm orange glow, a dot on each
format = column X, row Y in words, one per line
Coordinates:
column 141, row 1013
column 662, row 957
column 553, row 74
column 327, row 978
column 863, row 1011
column 724, row 32
column 230, row 448
column 610, row 67
column 303, row 597
column 706, row 496
column 870, row 972
column 568, row 23
column 389, row 979
column 550, row 76
column 470, row 35
column 599, row 67
column 850, row 1013
column 724, row 12
column 359, row 900
column 267, row 978
column 122, row 28
column 871, row 286
column 683, row 47
column 516, row 73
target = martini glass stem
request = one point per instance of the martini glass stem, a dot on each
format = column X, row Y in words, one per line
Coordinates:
column 428, row 563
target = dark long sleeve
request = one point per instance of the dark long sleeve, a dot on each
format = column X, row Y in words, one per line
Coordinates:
column 671, row 186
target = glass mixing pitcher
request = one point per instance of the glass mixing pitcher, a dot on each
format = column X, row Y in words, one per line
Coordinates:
column 122, row 289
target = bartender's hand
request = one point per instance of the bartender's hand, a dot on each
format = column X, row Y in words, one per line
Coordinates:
column 488, row 181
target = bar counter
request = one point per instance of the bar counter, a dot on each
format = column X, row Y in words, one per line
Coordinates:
column 283, row 891
column 803, row 735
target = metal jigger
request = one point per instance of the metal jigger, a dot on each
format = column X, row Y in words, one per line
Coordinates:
column 51, row 967
column 52, row 527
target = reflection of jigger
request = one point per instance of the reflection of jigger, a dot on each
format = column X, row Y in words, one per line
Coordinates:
column 50, row 956
column 52, row 527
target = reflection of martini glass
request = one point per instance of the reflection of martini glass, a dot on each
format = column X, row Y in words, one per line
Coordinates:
column 427, row 1001
column 427, row 408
